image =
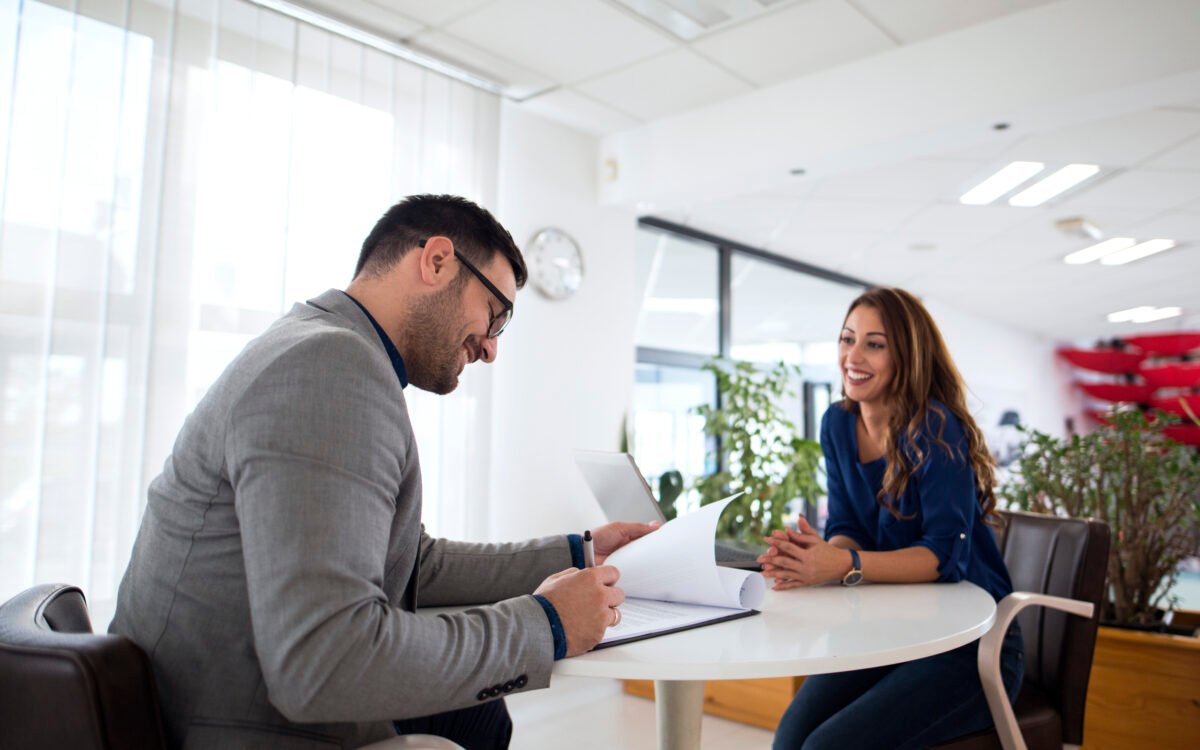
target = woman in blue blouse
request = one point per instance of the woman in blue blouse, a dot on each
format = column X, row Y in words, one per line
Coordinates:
column 910, row 500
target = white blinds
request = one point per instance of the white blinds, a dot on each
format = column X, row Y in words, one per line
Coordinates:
column 174, row 176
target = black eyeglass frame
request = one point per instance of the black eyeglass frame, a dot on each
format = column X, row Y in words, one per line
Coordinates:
column 505, row 317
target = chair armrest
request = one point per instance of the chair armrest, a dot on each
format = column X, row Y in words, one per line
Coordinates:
column 989, row 658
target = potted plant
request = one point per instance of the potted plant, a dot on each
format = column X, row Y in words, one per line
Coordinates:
column 760, row 450
column 1145, row 686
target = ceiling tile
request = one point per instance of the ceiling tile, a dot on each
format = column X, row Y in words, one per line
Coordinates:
column 434, row 14
column 1177, row 225
column 919, row 180
column 384, row 22
column 752, row 220
column 793, row 41
column 519, row 82
column 820, row 214
column 572, row 108
column 959, row 219
column 565, row 40
column 913, row 20
column 1117, row 142
column 663, row 85
column 1139, row 188
column 1184, row 156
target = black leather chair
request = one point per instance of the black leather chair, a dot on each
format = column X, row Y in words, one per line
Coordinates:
column 1057, row 566
column 62, row 686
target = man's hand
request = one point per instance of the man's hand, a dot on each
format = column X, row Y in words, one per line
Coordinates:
column 585, row 602
column 802, row 558
column 613, row 536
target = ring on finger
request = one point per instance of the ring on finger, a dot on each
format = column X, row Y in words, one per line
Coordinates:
column 616, row 617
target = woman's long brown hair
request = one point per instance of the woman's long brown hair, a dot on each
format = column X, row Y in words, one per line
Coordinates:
column 921, row 370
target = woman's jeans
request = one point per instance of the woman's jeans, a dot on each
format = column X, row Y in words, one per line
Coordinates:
column 911, row 705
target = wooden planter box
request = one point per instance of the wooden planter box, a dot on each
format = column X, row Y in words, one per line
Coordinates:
column 1144, row 692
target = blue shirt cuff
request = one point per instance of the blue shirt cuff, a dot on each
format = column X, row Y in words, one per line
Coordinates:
column 556, row 628
column 576, row 542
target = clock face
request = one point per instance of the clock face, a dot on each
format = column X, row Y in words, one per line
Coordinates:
column 555, row 263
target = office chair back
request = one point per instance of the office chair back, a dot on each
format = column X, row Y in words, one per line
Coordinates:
column 1061, row 557
column 1065, row 557
column 62, row 686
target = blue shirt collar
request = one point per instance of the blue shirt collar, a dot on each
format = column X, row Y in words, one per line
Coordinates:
column 392, row 352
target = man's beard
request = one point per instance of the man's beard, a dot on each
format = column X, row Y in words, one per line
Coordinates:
column 433, row 349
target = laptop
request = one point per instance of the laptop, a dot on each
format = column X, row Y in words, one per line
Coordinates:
column 623, row 494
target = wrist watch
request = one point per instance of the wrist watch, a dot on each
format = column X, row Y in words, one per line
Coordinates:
column 855, row 575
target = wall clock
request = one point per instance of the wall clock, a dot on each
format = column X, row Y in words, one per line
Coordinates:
column 555, row 263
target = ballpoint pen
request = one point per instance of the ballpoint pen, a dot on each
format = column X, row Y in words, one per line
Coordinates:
column 589, row 556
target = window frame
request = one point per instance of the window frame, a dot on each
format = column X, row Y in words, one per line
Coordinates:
column 726, row 249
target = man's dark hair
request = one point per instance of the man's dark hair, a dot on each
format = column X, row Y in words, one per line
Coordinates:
column 473, row 230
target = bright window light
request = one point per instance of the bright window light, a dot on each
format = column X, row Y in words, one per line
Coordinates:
column 1099, row 250
column 1144, row 314
column 1137, row 252
column 1045, row 189
column 1001, row 182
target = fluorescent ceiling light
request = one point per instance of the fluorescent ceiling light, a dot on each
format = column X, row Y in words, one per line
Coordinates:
column 1137, row 252
column 1099, row 250
column 1045, row 189
column 686, row 305
column 1001, row 182
column 1144, row 314
column 1127, row 316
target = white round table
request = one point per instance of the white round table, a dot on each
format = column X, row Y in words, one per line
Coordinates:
column 800, row 632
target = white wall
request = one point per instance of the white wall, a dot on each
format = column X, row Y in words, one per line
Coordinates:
column 564, row 376
column 1006, row 368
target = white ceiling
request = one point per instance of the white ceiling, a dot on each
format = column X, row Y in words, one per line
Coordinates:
column 888, row 105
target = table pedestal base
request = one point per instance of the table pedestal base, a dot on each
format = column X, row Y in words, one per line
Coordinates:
column 679, row 705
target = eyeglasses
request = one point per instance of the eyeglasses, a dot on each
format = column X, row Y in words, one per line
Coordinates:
column 496, row 323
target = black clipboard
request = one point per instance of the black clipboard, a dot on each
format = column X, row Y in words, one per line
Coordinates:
column 680, row 629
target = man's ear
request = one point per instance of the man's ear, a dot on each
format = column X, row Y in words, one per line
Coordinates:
column 437, row 262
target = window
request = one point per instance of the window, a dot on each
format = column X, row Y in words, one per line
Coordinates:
column 704, row 296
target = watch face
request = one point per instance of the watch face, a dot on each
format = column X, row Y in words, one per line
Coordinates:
column 852, row 578
column 555, row 263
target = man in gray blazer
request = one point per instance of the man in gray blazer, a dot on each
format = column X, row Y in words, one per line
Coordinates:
column 281, row 558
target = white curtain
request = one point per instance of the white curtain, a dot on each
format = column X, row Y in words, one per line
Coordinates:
column 175, row 174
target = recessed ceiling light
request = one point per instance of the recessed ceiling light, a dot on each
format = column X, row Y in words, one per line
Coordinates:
column 1099, row 250
column 1001, row 182
column 1045, row 189
column 1144, row 314
column 1137, row 252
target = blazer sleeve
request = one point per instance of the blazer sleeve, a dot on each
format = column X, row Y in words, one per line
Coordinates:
column 313, row 459
column 470, row 573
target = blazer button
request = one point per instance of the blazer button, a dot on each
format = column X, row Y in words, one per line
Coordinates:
column 522, row 681
column 496, row 690
column 483, row 694
column 508, row 686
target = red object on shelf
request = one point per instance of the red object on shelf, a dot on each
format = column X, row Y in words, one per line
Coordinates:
column 1188, row 434
column 1171, row 403
column 1179, row 375
column 1166, row 344
column 1113, row 361
column 1118, row 391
